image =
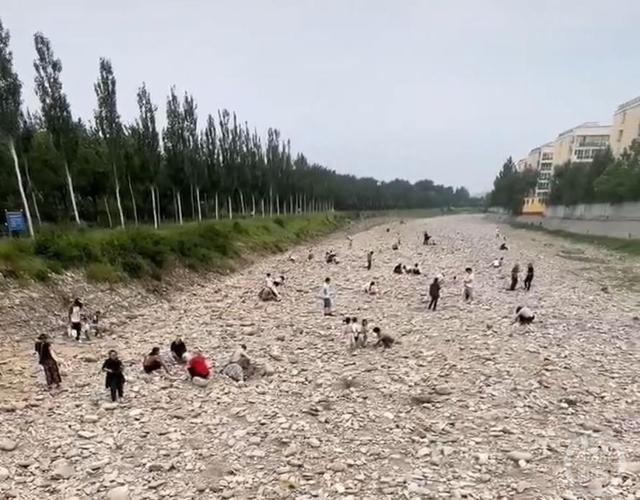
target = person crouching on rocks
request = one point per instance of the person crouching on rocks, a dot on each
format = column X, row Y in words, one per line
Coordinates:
column 198, row 367
column 370, row 288
column 239, row 367
column 399, row 269
column 115, row 375
column 153, row 361
column 524, row 315
column 178, row 350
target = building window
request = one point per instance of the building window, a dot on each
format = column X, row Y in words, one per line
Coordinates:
column 624, row 116
column 620, row 132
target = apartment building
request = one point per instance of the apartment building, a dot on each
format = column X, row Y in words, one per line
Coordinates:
column 580, row 143
column 626, row 126
column 541, row 160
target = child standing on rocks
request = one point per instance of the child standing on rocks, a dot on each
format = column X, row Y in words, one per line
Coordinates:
column 327, row 297
column 75, row 318
column 369, row 259
column 468, row 284
column 115, row 375
column 434, row 294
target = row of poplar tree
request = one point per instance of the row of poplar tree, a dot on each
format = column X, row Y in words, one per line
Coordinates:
column 107, row 172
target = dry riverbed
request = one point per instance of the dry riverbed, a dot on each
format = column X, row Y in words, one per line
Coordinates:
column 466, row 406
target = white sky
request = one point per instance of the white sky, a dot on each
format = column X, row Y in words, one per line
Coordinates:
column 439, row 89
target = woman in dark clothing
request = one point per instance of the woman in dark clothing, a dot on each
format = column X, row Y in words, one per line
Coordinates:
column 514, row 277
column 115, row 376
column 178, row 349
column 528, row 278
column 434, row 293
column 45, row 358
column 153, row 361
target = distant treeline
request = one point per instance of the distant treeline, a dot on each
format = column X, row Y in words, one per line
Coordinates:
column 109, row 173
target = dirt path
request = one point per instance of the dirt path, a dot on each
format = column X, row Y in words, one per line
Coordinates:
column 467, row 406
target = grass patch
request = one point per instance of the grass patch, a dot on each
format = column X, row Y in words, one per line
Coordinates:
column 626, row 246
column 139, row 253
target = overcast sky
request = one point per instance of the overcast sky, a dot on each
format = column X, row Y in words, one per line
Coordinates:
column 438, row 89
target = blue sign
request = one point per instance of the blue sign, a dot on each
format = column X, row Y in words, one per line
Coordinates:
column 16, row 223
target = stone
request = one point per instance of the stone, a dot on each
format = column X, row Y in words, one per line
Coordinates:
column 517, row 456
column 118, row 493
column 61, row 469
column 337, row 467
column 200, row 382
column 91, row 419
column 7, row 444
column 4, row 474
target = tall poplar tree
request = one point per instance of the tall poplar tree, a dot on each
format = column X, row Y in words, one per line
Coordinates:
column 109, row 125
column 55, row 108
column 10, row 100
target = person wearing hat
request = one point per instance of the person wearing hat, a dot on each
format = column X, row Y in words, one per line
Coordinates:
column 46, row 360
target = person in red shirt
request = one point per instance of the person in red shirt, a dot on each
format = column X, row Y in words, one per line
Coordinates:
column 198, row 366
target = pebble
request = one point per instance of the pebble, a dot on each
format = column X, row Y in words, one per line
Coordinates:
column 7, row 444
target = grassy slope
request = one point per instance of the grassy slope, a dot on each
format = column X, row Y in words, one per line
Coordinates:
column 113, row 255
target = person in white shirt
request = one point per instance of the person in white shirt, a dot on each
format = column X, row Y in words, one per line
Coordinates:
column 327, row 296
column 270, row 284
column 498, row 262
column 75, row 318
column 356, row 331
column 524, row 315
column 468, row 284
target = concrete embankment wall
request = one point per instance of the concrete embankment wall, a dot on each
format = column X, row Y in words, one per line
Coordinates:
column 601, row 219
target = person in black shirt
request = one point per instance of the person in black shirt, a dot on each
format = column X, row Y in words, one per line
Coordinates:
column 514, row 277
column 434, row 293
column 178, row 349
column 49, row 364
column 528, row 278
column 153, row 361
column 369, row 259
column 115, row 376
column 399, row 269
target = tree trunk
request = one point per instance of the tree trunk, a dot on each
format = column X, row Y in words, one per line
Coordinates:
column 303, row 199
column 27, row 212
column 106, row 206
column 153, row 206
column 253, row 206
column 158, row 205
column 242, row 203
column 133, row 201
column 180, row 220
column 277, row 204
column 270, row 201
column 262, row 205
column 198, row 203
column 217, row 213
column 72, row 193
column 34, row 199
column 284, row 208
column 291, row 209
column 193, row 203
column 230, row 208
column 118, row 200
column 175, row 206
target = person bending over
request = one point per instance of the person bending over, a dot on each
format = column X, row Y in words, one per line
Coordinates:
column 178, row 349
column 153, row 361
column 524, row 315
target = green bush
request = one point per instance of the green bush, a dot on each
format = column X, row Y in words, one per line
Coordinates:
column 103, row 273
column 112, row 255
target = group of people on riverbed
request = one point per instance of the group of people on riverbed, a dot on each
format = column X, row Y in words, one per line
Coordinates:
column 199, row 369
column 358, row 334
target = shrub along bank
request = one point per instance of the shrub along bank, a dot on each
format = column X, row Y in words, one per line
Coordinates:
column 115, row 255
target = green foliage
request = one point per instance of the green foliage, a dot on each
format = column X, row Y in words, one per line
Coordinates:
column 143, row 252
column 605, row 180
column 510, row 187
column 100, row 272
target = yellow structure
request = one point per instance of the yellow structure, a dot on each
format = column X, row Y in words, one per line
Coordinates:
column 626, row 126
column 541, row 160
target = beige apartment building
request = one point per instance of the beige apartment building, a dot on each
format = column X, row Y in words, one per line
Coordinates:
column 580, row 143
column 541, row 160
column 626, row 126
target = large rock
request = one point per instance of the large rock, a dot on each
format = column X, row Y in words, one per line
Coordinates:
column 8, row 444
column 119, row 493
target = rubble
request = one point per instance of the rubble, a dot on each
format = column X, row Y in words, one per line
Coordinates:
column 464, row 405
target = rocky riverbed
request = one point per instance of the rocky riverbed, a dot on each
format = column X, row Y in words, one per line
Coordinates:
column 466, row 405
